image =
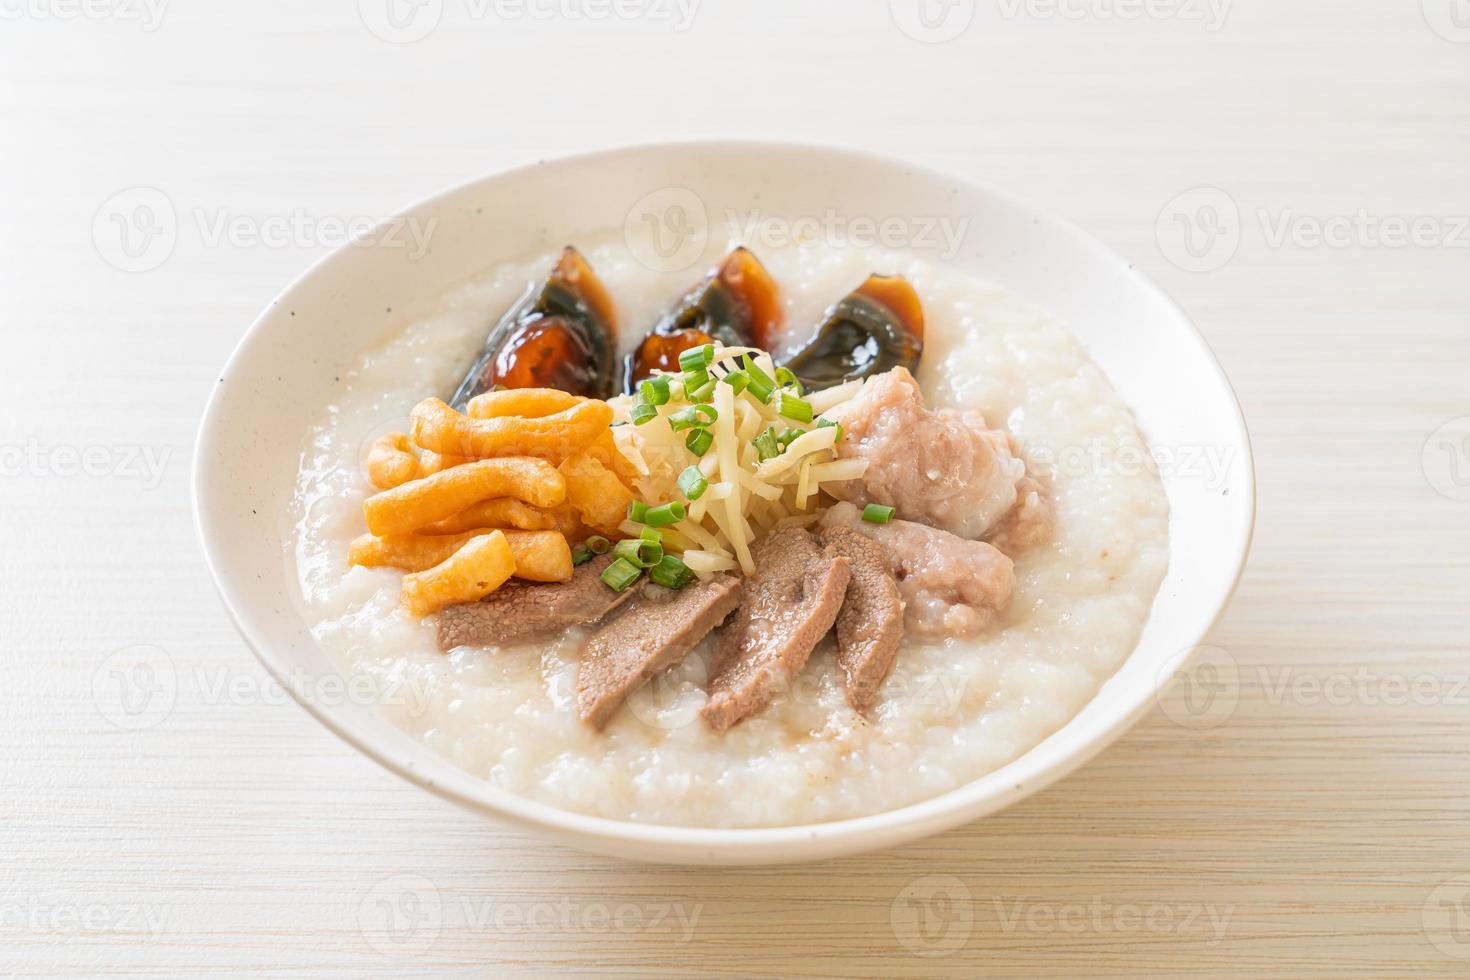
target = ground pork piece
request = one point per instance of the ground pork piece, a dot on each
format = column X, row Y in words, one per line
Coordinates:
column 1034, row 518
column 870, row 625
column 950, row 586
column 653, row 633
column 790, row 603
column 946, row 469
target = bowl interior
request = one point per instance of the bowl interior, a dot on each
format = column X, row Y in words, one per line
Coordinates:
column 282, row 372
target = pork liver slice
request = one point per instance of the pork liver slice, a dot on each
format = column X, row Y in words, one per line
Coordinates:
column 790, row 604
column 870, row 625
column 653, row 633
column 521, row 612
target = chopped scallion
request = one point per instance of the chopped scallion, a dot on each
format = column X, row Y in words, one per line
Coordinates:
column 878, row 513
column 581, row 555
column 598, row 545
column 642, row 412
column 664, row 514
column 637, row 510
column 694, row 380
column 652, row 534
column 761, row 384
column 795, row 408
column 829, row 424
column 767, row 446
column 785, row 378
column 697, row 358
column 695, row 416
column 738, row 380
column 704, row 393
column 699, row 441
column 654, row 391
column 671, row 573
column 621, row 574
column 692, row 482
column 639, row 552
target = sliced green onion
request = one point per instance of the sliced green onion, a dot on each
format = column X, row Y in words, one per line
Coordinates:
column 692, row 482
column 637, row 510
column 598, row 545
column 738, row 380
column 581, row 555
column 785, row 378
column 878, row 513
column 694, row 380
column 766, row 444
column 642, row 412
column 695, row 416
column 761, row 385
column 664, row 514
column 697, row 358
column 795, row 408
column 654, row 391
column 829, row 424
column 671, row 573
column 639, row 552
column 621, row 574
column 652, row 534
column 788, row 435
column 704, row 393
column 699, row 441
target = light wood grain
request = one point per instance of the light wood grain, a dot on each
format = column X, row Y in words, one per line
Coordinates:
column 1303, row 835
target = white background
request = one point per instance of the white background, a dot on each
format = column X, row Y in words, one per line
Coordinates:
column 1310, row 829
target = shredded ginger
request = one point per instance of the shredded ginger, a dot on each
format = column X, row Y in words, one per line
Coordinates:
column 746, row 496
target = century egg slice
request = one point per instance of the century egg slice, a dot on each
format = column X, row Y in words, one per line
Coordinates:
column 560, row 335
column 737, row 305
column 878, row 326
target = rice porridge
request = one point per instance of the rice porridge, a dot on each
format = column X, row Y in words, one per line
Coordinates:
column 952, row 709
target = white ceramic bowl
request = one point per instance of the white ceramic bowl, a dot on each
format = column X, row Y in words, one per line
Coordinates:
column 279, row 377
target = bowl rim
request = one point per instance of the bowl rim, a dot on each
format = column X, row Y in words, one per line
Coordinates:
column 952, row 808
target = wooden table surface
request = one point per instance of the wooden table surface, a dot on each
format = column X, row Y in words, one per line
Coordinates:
column 1315, row 821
